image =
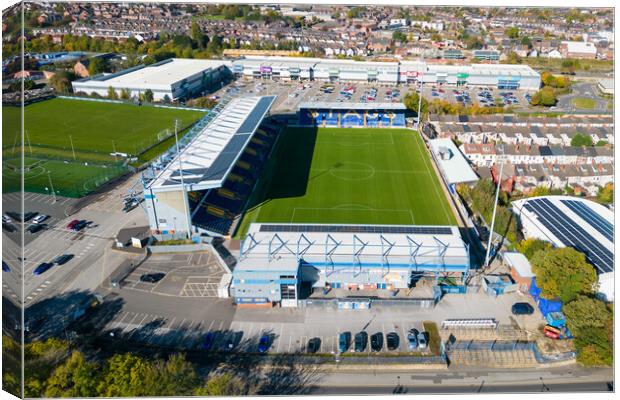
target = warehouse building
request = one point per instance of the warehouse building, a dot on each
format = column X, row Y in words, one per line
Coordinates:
column 573, row 222
column 277, row 260
column 171, row 79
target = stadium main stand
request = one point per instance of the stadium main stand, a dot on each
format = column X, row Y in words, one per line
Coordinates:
column 216, row 209
column 354, row 115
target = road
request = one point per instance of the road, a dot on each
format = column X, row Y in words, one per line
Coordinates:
column 583, row 90
column 470, row 380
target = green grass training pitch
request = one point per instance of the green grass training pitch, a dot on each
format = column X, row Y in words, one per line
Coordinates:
column 68, row 179
column 356, row 176
column 96, row 128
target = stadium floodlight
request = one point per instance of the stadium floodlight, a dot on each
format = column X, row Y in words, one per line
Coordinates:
column 187, row 216
column 499, row 182
column 49, row 176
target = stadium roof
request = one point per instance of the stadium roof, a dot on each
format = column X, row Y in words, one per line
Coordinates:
column 210, row 156
column 352, row 106
column 452, row 163
column 571, row 222
column 346, row 246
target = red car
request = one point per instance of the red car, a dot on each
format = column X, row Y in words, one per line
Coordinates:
column 72, row 224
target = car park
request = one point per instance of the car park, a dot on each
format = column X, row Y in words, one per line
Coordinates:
column 422, row 340
column 412, row 338
column 62, row 259
column 376, row 341
column 41, row 268
column 393, row 341
column 361, row 341
column 263, row 343
column 344, row 341
column 314, row 345
column 522, row 309
column 152, row 278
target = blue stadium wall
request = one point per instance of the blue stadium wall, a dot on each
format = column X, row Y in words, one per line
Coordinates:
column 352, row 118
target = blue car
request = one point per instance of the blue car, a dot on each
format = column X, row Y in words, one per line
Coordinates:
column 208, row 340
column 412, row 337
column 344, row 341
column 263, row 343
column 42, row 268
column 5, row 267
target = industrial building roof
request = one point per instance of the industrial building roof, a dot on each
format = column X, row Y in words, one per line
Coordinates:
column 209, row 157
column 571, row 222
column 269, row 246
column 160, row 75
column 452, row 163
column 520, row 263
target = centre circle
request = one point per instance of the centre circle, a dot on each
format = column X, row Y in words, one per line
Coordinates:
column 353, row 171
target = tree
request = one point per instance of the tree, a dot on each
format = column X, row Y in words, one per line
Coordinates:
column 540, row 191
column 606, row 194
column 126, row 375
column 148, row 95
column 526, row 41
column 74, row 378
column 221, row 385
column 174, row 377
column 581, row 140
column 97, row 65
column 544, row 97
column 591, row 323
column 412, row 101
column 512, row 32
column 61, row 82
column 564, row 273
column 125, row 94
column 529, row 247
column 112, row 93
column 197, row 35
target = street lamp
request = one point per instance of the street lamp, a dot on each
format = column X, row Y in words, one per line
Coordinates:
column 49, row 176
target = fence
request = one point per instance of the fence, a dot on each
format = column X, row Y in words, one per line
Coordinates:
column 132, row 102
column 335, row 303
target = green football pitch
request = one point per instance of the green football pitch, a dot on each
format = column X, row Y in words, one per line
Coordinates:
column 356, row 176
column 94, row 127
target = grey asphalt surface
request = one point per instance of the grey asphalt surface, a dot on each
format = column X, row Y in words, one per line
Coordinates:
column 583, row 90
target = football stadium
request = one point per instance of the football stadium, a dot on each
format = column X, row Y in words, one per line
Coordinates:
column 339, row 198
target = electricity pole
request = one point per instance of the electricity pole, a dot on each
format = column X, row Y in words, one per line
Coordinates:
column 499, row 182
column 187, row 216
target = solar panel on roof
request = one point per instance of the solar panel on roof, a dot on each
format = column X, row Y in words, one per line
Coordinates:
column 570, row 234
column 420, row 230
column 591, row 217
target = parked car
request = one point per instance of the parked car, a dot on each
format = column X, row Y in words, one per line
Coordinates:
column 344, row 341
column 34, row 228
column 63, row 259
column 152, row 278
column 41, row 268
column 6, row 218
column 392, row 340
column 376, row 341
column 5, row 267
column 40, row 218
column 263, row 344
column 207, row 341
column 522, row 309
column 81, row 225
column 361, row 341
column 412, row 337
column 314, row 345
column 71, row 224
column 10, row 228
column 130, row 205
column 422, row 340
